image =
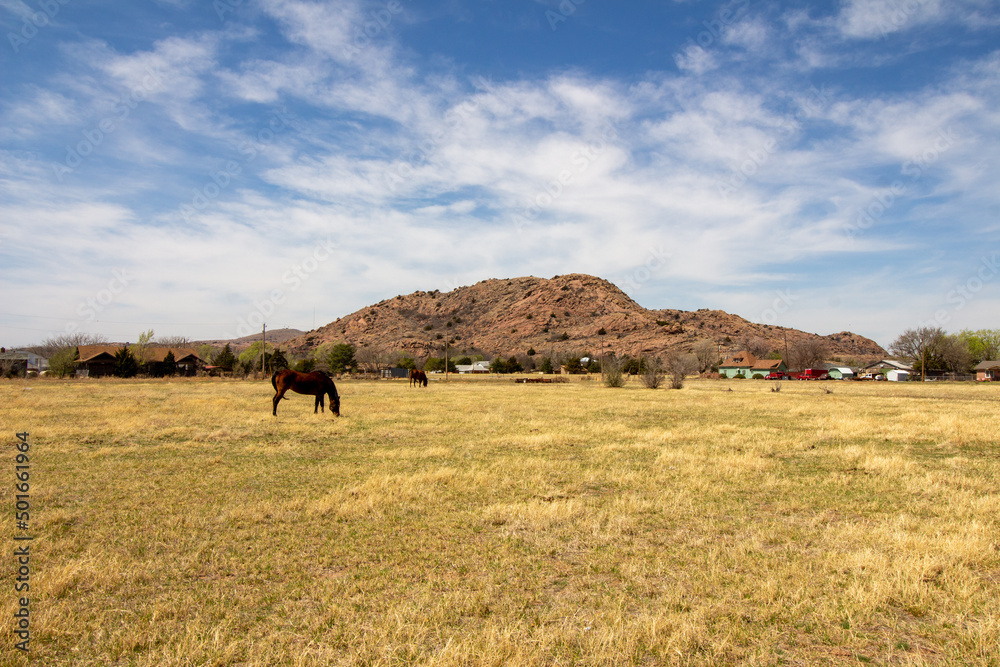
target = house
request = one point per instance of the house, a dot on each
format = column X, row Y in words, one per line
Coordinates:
column 186, row 359
column 99, row 360
column 880, row 367
column 737, row 364
column 96, row 360
column 474, row 367
column 841, row 373
column 988, row 371
column 21, row 362
column 744, row 364
column 765, row 367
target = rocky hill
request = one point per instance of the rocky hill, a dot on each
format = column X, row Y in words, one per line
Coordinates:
column 571, row 314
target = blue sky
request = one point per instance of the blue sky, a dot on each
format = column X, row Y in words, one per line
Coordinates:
column 199, row 168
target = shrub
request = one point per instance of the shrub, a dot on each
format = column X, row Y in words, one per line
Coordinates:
column 679, row 366
column 654, row 375
column 614, row 374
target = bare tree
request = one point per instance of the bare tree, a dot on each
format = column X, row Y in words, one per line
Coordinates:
column 707, row 353
column 173, row 341
column 913, row 344
column 50, row 346
column 921, row 347
column 955, row 354
column 7, row 366
column 756, row 346
column 930, row 348
column 374, row 359
column 679, row 366
column 806, row 354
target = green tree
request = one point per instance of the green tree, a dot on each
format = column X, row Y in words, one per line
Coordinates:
column 225, row 359
column 409, row 363
column 63, row 362
column 276, row 361
column 498, row 365
column 514, row 366
column 208, row 352
column 304, row 365
column 340, row 358
column 983, row 345
column 436, row 365
column 632, row 366
column 250, row 359
column 546, row 366
column 139, row 349
column 169, row 364
column 125, row 364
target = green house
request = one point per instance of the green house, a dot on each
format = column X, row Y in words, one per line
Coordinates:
column 744, row 364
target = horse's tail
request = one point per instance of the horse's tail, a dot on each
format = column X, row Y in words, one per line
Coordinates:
column 274, row 380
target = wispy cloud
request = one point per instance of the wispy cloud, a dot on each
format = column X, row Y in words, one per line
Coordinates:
column 742, row 159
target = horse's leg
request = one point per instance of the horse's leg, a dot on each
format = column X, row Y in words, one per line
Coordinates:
column 277, row 397
column 319, row 407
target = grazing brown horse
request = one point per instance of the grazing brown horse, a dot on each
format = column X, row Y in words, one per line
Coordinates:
column 315, row 384
column 418, row 378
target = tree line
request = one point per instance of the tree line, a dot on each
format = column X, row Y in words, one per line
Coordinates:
column 925, row 348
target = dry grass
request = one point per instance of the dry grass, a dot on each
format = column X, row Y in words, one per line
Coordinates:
column 483, row 523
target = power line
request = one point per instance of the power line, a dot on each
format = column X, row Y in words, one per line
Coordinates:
column 140, row 322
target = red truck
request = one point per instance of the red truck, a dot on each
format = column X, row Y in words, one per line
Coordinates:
column 814, row 374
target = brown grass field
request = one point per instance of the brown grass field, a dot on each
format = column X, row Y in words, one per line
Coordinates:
column 491, row 523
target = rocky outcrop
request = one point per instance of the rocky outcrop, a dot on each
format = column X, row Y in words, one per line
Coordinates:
column 570, row 314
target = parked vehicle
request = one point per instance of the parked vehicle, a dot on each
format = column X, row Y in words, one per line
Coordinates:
column 814, row 374
column 776, row 375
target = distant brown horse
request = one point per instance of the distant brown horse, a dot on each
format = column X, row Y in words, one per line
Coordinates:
column 418, row 378
column 315, row 384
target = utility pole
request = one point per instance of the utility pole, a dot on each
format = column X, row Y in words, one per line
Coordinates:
column 785, row 331
column 923, row 360
column 263, row 346
column 602, row 355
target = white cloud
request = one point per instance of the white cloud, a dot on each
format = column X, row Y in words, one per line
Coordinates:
column 747, row 177
column 866, row 19
column 696, row 60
